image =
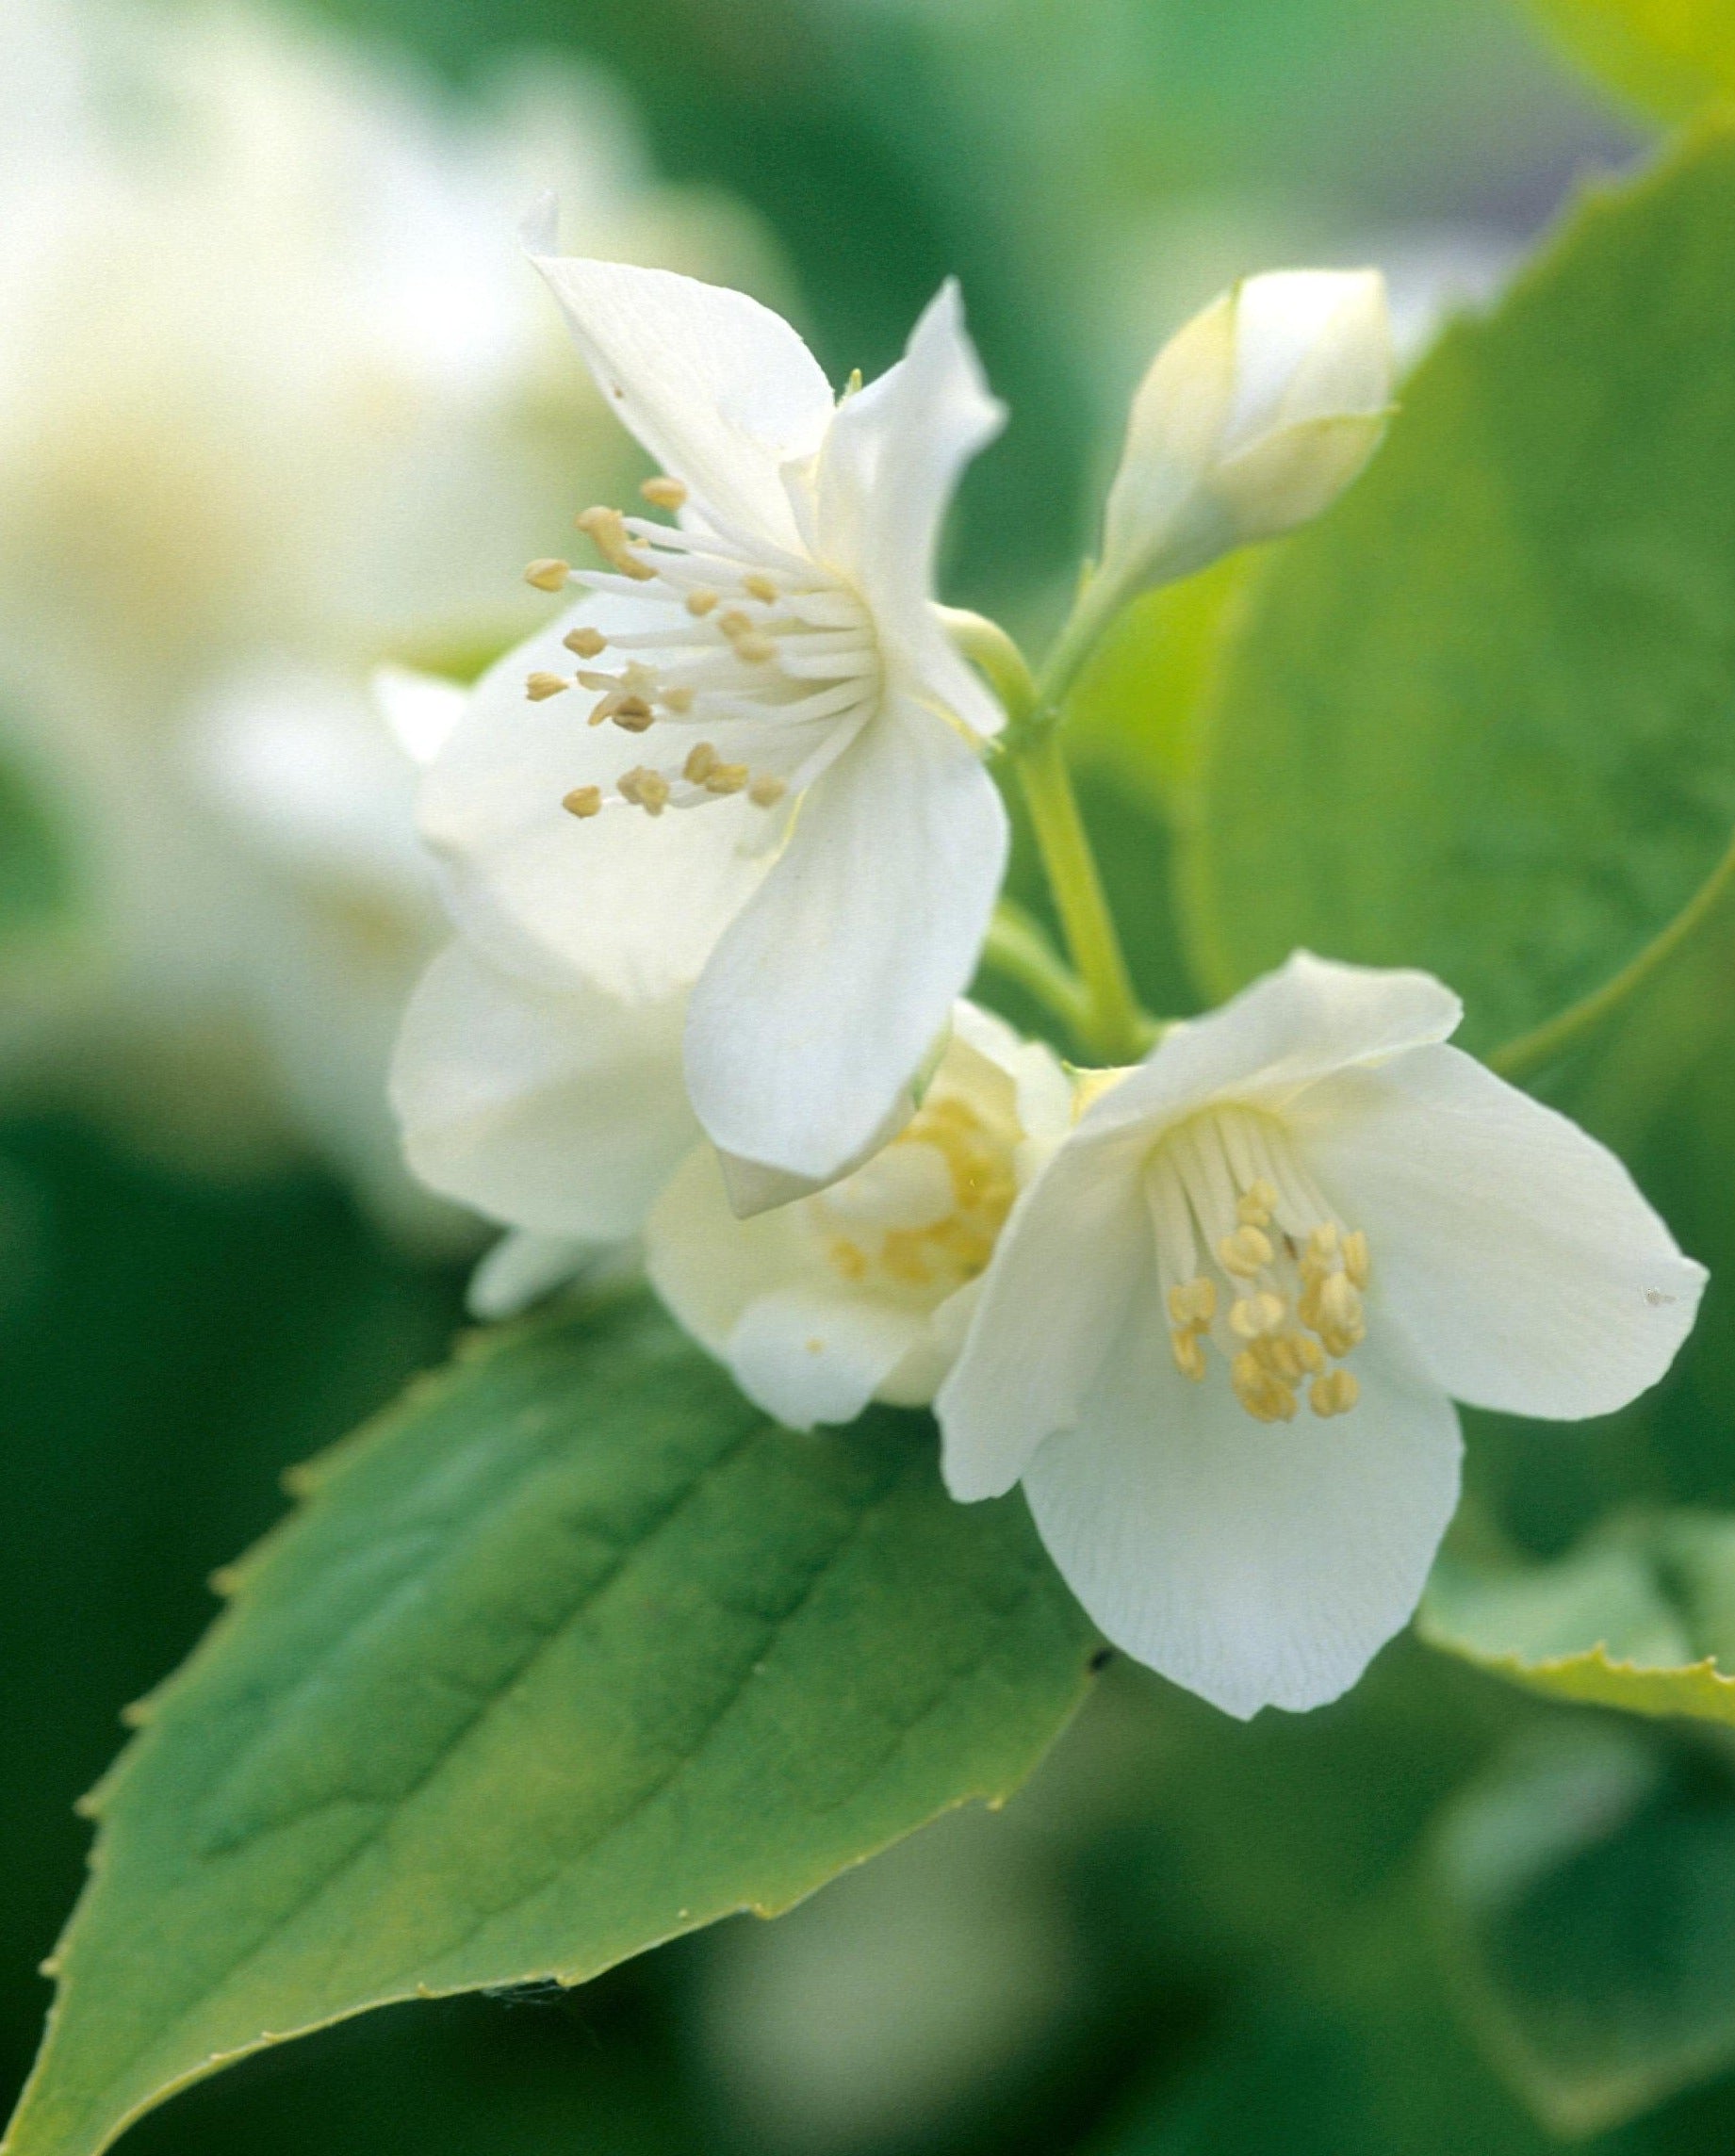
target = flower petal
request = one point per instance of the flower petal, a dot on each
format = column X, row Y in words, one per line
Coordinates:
column 520, row 1269
column 720, row 390
column 887, row 474
column 633, row 903
column 1052, row 1303
column 1514, row 1251
column 563, row 1114
column 1289, row 1028
column 745, row 1290
column 1257, row 1564
column 826, row 992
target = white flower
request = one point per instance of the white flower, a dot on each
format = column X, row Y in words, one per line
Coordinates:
column 779, row 683
column 1304, row 1198
column 1252, row 419
column 862, row 1291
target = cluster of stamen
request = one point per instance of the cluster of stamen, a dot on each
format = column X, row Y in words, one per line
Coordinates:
column 763, row 650
column 1256, row 1266
column 921, row 1220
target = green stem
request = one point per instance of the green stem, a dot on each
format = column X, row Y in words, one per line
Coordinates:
column 1544, row 1044
column 1017, row 949
column 1114, row 1027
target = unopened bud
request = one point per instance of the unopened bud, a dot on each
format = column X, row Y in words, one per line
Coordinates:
column 1252, row 419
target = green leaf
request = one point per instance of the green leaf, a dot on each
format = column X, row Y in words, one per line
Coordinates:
column 1668, row 56
column 1477, row 718
column 1586, row 1892
column 1641, row 1617
column 37, row 882
column 572, row 1651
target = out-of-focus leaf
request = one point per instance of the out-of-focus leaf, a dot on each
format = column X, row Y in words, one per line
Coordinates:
column 1136, row 711
column 1641, row 1617
column 1477, row 718
column 1667, row 55
column 37, row 884
column 1586, row 1887
column 570, row 1652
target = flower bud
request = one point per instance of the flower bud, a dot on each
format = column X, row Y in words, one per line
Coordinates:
column 1252, row 419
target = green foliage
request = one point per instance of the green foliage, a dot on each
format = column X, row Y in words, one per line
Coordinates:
column 1476, row 719
column 1641, row 1617
column 1668, row 56
column 37, row 881
column 570, row 1652
column 1586, row 1889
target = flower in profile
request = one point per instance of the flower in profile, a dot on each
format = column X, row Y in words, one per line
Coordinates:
column 749, row 762
column 863, row 1290
column 1252, row 419
column 1222, row 1332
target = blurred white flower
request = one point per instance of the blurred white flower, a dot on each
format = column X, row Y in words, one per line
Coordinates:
column 1251, row 420
column 807, row 723
column 266, row 345
column 1305, row 1195
column 862, row 1291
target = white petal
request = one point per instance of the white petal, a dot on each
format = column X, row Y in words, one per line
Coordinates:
column 826, row 994
column 1310, row 344
column 746, row 1290
column 1516, row 1251
column 419, row 710
column 1051, row 1302
column 520, row 1269
column 891, row 463
column 808, row 1357
column 564, row 1114
column 719, row 389
column 1257, row 1564
column 1291, row 1027
column 633, row 903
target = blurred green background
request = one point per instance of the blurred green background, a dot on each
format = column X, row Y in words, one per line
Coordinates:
column 1187, row 1935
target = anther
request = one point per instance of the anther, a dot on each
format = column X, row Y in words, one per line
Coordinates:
column 582, row 801
column 663, row 492
column 539, row 686
column 1189, row 1354
column 1257, row 1205
column 632, row 714
column 606, row 529
column 701, row 602
column 767, row 790
column 679, row 699
column 760, row 586
column 733, row 623
column 584, row 643
column 1246, row 1252
column 1355, row 1257
column 701, row 761
column 548, row 575
column 754, row 649
column 1334, row 1393
column 646, row 788
column 1193, row 1302
column 1257, row 1314
column 725, row 778
column 1267, row 1398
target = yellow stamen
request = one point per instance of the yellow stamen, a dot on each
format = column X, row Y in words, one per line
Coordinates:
column 1334, row 1393
column 1193, row 1302
column 767, row 790
column 701, row 602
column 1189, row 1354
column 540, row 686
column 754, row 650
column 1355, row 1257
column 1246, row 1252
column 725, row 778
column 632, row 714
column 663, row 492
column 701, row 761
column 548, row 574
column 1258, row 1314
column 606, row 529
column 733, row 624
column 1265, row 1397
column 584, row 643
column 1257, row 1205
column 760, row 586
column 678, row 699
column 583, row 801
column 646, row 788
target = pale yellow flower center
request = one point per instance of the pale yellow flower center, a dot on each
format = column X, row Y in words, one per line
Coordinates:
column 1255, row 1265
column 754, row 665
column 920, row 1221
